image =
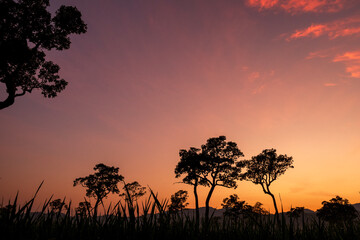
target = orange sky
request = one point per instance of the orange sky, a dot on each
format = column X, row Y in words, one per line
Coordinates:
column 153, row 77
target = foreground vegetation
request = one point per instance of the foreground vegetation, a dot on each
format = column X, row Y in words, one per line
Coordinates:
column 152, row 220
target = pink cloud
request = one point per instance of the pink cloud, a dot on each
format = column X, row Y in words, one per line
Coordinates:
column 339, row 28
column 348, row 56
column 260, row 81
column 244, row 68
column 330, row 84
column 253, row 76
column 263, row 3
column 351, row 61
column 299, row 6
column 259, row 89
column 295, row 6
column 314, row 30
column 319, row 54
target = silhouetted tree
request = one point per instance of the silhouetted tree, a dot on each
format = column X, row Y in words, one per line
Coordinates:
column 337, row 210
column 258, row 209
column 57, row 205
column 189, row 167
column 6, row 210
column 178, row 201
column 83, row 209
column 295, row 212
column 101, row 183
column 265, row 168
column 133, row 191
column 233, row 207
column 27, row 32
column 219, row 166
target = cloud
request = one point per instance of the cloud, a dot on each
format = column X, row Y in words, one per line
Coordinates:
column 262, row 4
column 259, row 89
column 348, row 56
column 260, row 81
column 351, row 61
column 299, row 6
column 295, row 6
column 319, row 54
column 339, row 28
column 330, row 84
column 244, row 68
column 314, row 30
column 253, row 76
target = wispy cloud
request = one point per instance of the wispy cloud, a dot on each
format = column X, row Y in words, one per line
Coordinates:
column 295, row 6
column 299, row 6
column 244, row 68
column 339, row 28
column 352, row 62
column 258, row 82
column 319, row 54
column 330, row 84
column 263, row 4
column 253, row 76
column 350, row 59
column 259, row 89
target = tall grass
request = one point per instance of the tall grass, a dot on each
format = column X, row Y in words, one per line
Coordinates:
column 151, row 220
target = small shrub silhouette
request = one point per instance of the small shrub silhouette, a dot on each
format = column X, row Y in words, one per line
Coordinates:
column 337, row 210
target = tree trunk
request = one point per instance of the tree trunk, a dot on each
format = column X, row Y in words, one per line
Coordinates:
column 207, row 204
column 98, row 200
column 275, row 206
column 197, row 214
column 11, row 97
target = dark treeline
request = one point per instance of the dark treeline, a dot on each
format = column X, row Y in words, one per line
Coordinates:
column 216, row 163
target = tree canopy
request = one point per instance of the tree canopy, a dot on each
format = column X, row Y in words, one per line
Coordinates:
column 296, row 212
column 337, row 210
column 215, row 164
column 28, row 31
column 133, row 191
column 265, row 168
column 83, row 209
column 101, row 183
column 219, row 166
column 219, row 162
column 178, row 201
column 190, row 168
column 58, row 205
column 233, row 206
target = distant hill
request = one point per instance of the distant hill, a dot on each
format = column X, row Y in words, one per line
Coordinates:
column 309, row 214
column 357, row 207
column 308, row 211
column 220, row 212
column 214, row 211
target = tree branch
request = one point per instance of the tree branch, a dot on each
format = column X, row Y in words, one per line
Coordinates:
column 10, row 98
column 21, row 94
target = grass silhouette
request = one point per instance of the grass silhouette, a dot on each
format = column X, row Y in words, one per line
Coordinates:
column 151, row 220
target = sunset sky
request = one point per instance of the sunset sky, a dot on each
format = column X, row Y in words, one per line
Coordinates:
column 152, row 77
